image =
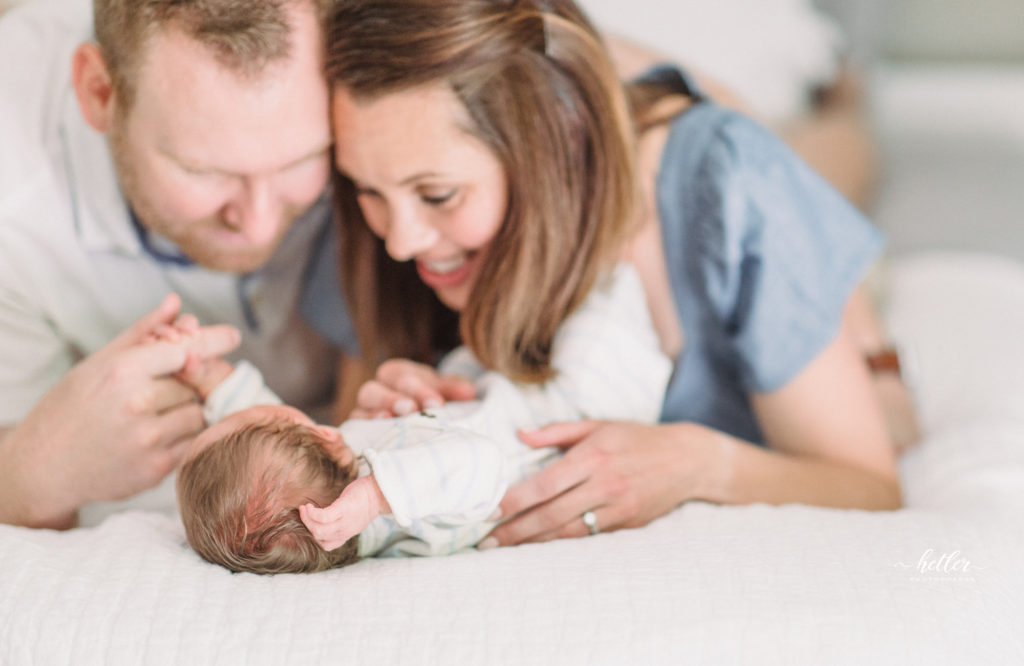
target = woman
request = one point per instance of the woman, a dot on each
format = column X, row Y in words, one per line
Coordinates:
column 490, row 166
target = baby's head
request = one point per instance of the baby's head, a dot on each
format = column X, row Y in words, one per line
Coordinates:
column 242, row 483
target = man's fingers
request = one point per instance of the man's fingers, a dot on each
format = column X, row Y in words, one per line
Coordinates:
column 169, row 394
column 176, row 450
column 559, row 434
column 153, row 360
column 214, row 341
column 183, row 422
column 165, row 313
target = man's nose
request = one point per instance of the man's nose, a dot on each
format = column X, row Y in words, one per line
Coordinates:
column 255, row 211
column 409, row 235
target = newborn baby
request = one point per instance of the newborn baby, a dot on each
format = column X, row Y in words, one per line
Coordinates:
column 424, row 484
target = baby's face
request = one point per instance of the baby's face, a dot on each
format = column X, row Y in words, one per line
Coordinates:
column 330, row 436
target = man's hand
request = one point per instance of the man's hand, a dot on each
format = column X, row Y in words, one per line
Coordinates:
column 115, row 425
column 199, row 373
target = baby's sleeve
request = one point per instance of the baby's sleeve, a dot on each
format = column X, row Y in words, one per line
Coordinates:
column 242, row 389
column 456, row 477
column 607, row 358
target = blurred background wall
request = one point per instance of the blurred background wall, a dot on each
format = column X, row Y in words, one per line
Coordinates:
column 944, row 88
column 944, row 94
column 947, row 84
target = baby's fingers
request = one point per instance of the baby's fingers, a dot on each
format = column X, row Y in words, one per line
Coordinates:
column 187, row 324
column 329, row 535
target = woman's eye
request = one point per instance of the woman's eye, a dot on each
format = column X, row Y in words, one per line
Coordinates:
column 439, row 198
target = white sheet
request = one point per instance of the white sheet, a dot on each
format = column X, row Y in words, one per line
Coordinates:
column 706, row 584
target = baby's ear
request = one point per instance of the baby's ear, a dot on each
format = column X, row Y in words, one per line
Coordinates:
column 336, row 444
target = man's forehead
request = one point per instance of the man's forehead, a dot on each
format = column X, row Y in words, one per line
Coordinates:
column 199, row 110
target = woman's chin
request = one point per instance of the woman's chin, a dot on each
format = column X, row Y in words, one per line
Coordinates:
column 454, row 298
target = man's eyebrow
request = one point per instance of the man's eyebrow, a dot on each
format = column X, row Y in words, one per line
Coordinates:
column 203, row 169
column 310, row 155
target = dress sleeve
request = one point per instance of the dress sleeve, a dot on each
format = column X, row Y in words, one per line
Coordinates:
column 780, row 252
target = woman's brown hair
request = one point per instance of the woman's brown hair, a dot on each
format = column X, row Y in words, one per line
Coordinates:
column 543, row 96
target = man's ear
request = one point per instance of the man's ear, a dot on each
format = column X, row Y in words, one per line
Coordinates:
column 93, row 86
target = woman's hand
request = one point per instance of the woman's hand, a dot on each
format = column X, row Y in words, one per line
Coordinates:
column 627, row 474
column 402, row 387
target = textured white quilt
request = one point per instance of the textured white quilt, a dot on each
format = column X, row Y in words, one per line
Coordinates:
column 940, row 582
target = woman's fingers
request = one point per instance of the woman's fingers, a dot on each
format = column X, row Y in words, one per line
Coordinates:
column 402, row 387
column 551, row 519
column 415, row 381
column 455, row 388
column 563, row 435
column 374, row 397
column 606, row 518
column 545, row 485
column 417, row 393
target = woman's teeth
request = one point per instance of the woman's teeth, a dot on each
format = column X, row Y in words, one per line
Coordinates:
column 446, row 266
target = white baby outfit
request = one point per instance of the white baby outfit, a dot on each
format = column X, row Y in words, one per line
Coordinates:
column 444, row 470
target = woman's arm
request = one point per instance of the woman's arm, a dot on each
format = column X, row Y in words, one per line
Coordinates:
column 829, row 447
column 829, row 443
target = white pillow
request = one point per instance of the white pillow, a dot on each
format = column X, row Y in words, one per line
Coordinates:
column 771, row 53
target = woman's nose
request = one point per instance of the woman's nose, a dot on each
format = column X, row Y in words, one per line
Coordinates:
column 409, row 235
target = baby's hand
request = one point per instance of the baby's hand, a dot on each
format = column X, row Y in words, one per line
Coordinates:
column 402, row 387
column 347, row 516
column 200, row 372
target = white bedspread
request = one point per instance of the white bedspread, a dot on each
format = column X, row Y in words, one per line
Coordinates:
column 705, row 585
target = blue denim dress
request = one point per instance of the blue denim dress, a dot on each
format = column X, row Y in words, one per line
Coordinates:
column 762, row 254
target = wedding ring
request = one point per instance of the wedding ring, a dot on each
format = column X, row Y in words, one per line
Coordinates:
column 590, row 520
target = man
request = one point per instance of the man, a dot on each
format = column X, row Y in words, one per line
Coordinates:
column 185, row 151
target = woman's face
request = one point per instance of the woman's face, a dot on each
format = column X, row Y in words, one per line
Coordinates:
column 434, row 193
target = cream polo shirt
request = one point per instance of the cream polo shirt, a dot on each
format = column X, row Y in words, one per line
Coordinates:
column 73, row 269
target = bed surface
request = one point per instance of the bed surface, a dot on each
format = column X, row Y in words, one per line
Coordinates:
column 706, row 584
